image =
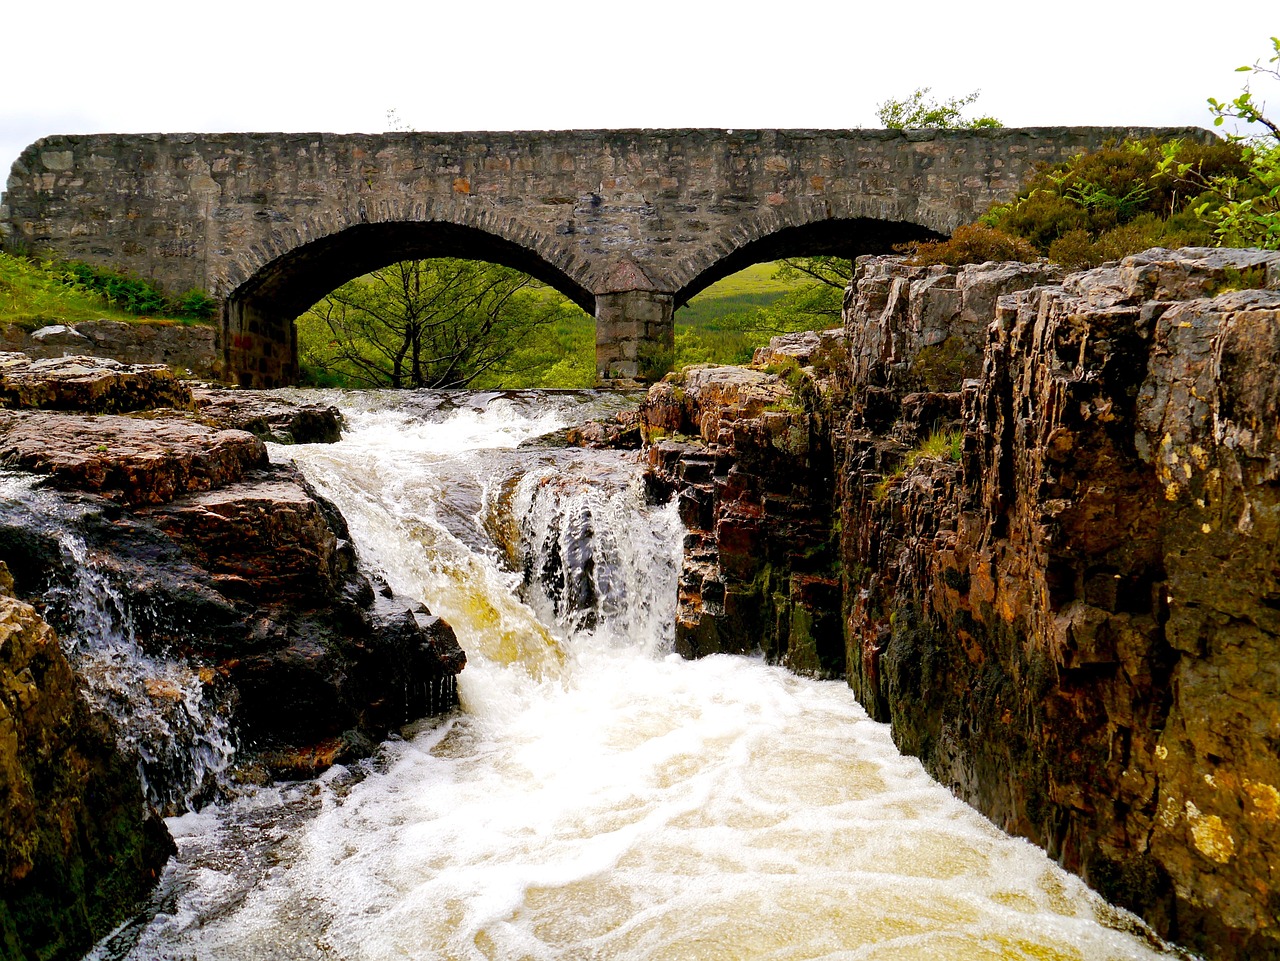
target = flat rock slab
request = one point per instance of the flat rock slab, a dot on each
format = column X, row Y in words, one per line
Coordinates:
column 136, row 461
column 269, row 415
column 92, row 385
column 263, row 538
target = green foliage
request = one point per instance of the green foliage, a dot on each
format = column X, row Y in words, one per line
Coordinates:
column 445, row 323
column 131, row 294
column 918, row 110
column 971, row 244
column 135, row 295
column 1249, row 215
column 1123, row 198
column 195, row 303
column 725, row 323
column 943, row 445
column 1245, row 107
column 36, row 293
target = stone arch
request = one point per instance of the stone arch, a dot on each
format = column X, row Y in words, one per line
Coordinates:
column 850, row 229
column 269, row 284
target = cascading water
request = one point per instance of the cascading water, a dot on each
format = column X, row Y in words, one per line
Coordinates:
column 595, row 796
column 161, row 707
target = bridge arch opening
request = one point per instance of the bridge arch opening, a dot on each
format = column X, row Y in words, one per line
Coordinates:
column 836, row 237
column 737, row 303
column 259, row 342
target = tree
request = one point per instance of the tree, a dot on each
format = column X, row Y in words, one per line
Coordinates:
column 423, row 323
column 919, row 110
column 1250, row 217
column 1244, row 107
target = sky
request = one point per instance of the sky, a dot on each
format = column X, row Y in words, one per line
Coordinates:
column 233, row 65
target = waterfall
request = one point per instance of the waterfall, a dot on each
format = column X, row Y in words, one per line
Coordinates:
column 595, row 796
column 165, row 712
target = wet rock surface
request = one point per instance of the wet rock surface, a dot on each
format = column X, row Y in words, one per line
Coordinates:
column 1055, row 503
column 131, row 459
column 268, row 415
column 239, row 588
column 77, row 850
column 751, row 470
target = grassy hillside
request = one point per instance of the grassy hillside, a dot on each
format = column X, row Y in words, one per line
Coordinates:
column 34, row 294
column 724, row 323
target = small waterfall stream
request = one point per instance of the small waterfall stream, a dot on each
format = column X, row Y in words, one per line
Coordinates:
column 595, row 796
column 161, row 707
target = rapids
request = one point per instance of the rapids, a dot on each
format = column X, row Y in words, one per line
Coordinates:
column 595, row 796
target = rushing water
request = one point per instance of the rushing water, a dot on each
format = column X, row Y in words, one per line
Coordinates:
column 595, row 796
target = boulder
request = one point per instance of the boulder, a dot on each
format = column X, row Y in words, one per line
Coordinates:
column 78, row 850
column 269, row 415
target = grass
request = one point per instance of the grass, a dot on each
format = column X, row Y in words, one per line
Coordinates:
column 35, row 294
column 942, row 445
column 739, row 293
column 715, row 326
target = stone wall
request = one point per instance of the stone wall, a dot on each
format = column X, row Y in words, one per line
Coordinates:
column 187, row 348
column 269, row 223
column 1073, row 624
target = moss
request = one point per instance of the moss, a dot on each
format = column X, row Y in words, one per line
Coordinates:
column 1250, row 278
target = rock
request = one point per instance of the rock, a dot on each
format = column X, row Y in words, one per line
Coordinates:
column 753, row 490
column 621, row 433
column 262, row 538
column 77, row 848
column 1075, row 625
column 136, row 461
column 820, row 349
column 89, row 384
column 269, row 415
column 187, row 348
column 60, row 335
column 1075, row 628
column 256, row 584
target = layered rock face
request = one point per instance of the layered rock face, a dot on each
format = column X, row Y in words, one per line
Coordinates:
column 752, row 473
column 1058, row 537
column 188, row 348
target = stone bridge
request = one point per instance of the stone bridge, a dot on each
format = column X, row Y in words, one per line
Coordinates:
column 628, row 223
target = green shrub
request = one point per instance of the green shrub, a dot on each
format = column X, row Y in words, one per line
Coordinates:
column 195, row 303
column 971, row 244
column 132, row 294
column 1077, row 211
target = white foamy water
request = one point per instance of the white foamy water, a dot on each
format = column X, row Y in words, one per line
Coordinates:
column 596, row 797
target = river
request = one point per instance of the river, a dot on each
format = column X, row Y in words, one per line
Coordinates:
column 595, row 796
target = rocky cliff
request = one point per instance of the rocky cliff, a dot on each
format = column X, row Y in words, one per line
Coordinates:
column 1055, row 505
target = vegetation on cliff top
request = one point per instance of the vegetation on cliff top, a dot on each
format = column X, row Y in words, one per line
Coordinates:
column 1129, row 196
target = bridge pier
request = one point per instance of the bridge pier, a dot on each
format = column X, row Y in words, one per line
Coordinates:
column 635, row 335
column 258, row 350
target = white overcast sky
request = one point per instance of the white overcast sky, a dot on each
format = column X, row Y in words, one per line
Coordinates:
column 129, row 66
